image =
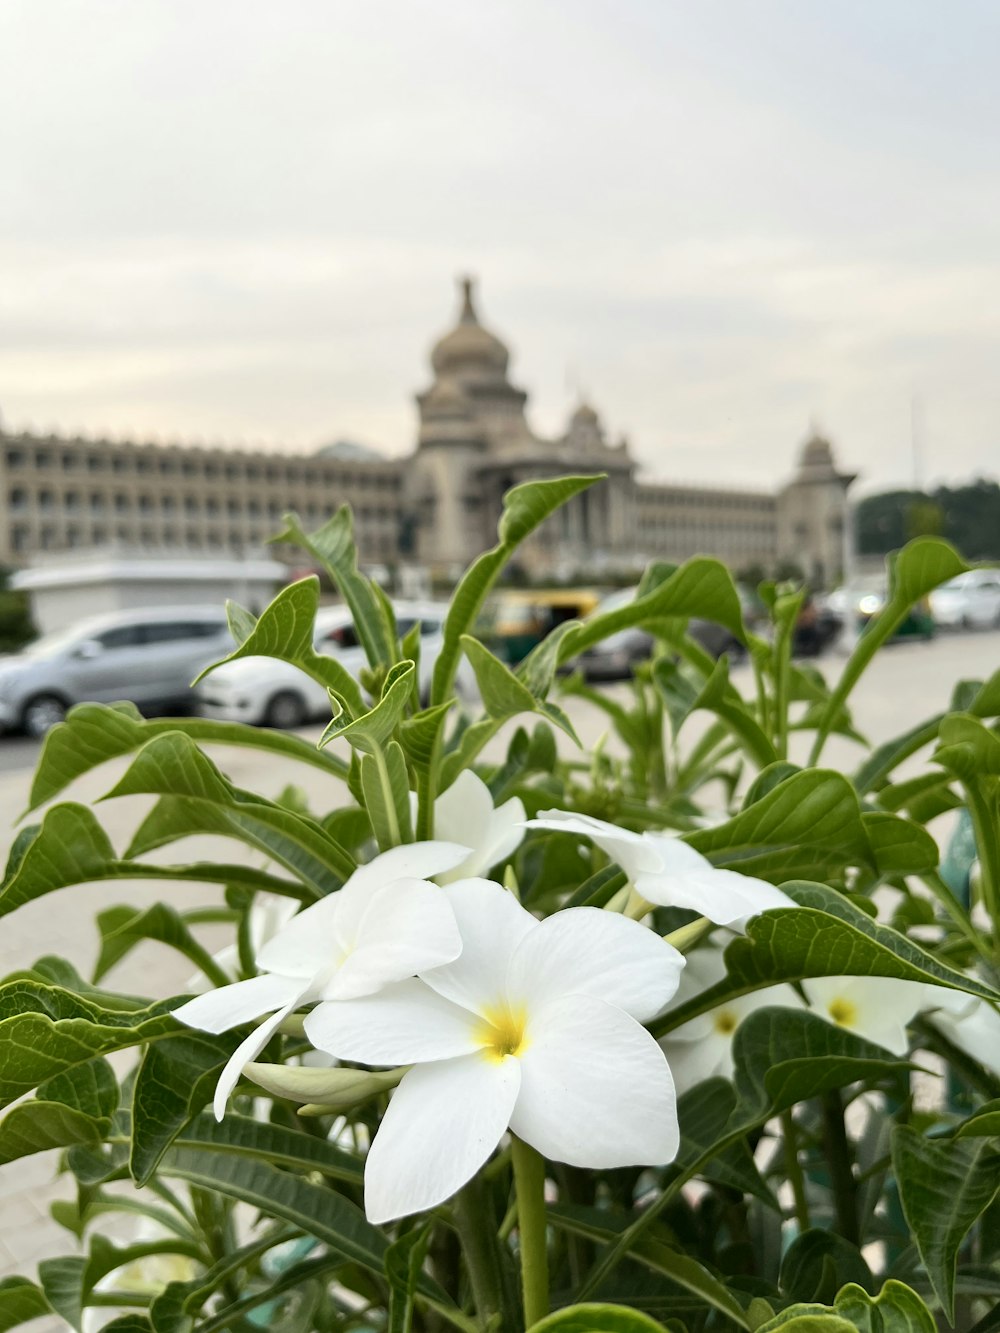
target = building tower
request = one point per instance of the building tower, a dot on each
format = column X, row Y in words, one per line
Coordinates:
column 814, row 527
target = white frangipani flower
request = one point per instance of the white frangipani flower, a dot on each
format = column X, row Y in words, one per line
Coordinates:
column 536, row 1028
column 268, row 914
column 703, row 1047
column 876, row 1008
column 465, row 813
column 971, row 1024
column 670, row 873
column 386, row 923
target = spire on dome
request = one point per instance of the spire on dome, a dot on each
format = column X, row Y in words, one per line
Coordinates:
column 468, row 315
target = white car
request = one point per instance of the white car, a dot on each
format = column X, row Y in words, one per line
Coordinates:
column 970, row 601
column 267, row 692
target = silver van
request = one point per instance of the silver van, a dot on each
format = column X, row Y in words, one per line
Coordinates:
column 146, row 656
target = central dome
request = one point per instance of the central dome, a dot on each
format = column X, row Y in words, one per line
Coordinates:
column 469, row 351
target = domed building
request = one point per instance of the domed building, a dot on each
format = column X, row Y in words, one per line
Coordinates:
column 437, row 507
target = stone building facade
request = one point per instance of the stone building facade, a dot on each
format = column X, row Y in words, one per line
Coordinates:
column 437, row 507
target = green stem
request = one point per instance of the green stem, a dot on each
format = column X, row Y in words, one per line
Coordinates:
column 838, row 1156
column 385, row 783
column 988, row 848
column 793, row 1166
column 529, row 1182
column 477, row 1233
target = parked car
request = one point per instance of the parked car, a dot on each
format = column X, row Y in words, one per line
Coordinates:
column 970, row 601
column 148, row 657
column 267, row 692
column 866, row 599
column 519, row 620
column 817, row 627
column 616, row 657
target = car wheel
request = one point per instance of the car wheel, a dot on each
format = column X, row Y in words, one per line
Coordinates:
column 41, row 714
column 286, row 711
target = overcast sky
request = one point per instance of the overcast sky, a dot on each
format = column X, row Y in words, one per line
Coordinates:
column 241, row 220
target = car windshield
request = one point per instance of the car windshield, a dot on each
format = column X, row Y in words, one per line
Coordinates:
column 56, row 640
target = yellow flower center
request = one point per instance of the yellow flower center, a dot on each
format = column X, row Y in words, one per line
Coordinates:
column 725, row 1022
column 843, row 1012
column 502, row 1032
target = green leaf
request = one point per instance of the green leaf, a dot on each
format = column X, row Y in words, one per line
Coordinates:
column 63, row 1283
column 285, row 631
column 94, row 733
column 598, row 1224
column 122, row 928
column 805, row 826
column 36, row 1126
column 967, row 748
column 916, row 570
column 241, row 1137
column 818, row 1263
column 597, row 1319
column 21, row 1301
column 45, row 1031
column 944, row 1186
column 896, row 1309
column 371, row 730
column 700, row 587
column 403, row 1262
column 826, row 936
column 315, row 1210
column 172, row 765
column 70, row 847
column 334, row 547
column 983, row 1123
column 176, row 1079
column 717, row 696
column 900, row 847
column 524, row 508
column 386, row 788
column 504, row 694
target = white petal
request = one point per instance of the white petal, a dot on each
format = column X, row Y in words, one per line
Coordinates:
column 491, row 923
column 875, row 1008
column 687, row 879
column 413, row 860
column 596, row 1090
column 495, row 839
column 629, row 850
column 691, row 1062
column 463, row 812
column 407, row 926
column 247, row 1050
column 586, row 951
column 403, row 1024
column 242, row 1002
column 308, row 944
column 975, row 1030
column 443, row 1122
column 312, row 941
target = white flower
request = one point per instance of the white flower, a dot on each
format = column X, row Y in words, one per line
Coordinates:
column 670, row 873
column 536, row 1027
column 268, row 914
column 464, row 813
column 703, row 1047
column 971, row 1024
column 386, row 923
column 875, row 1008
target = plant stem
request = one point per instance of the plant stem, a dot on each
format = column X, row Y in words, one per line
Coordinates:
column 838, row 1156
column 477, row 1232
column 529, row 1182
column 793, row 1166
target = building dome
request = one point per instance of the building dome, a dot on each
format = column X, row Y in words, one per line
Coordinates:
column 469, row 350
column 584, row 416
column 444, row 400
column 817, row 452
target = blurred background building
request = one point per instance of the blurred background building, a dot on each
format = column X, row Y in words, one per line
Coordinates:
column 436, row 507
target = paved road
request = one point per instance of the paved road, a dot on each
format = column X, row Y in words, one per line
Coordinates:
column 906, row 683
